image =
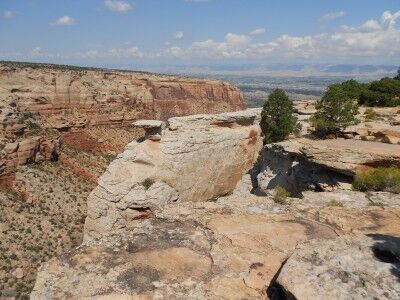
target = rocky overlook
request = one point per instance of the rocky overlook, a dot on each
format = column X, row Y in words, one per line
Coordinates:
column 186, row 213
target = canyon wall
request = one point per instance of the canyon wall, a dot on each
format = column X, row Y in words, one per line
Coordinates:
column 75, row 97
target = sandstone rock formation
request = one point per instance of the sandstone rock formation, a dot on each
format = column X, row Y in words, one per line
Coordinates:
column 281, row 166
column 229, row 249
column 341, row 155
column 198, row 158
column 28, row 150
column 75, row 97
column 173, row 218
column 351, row 267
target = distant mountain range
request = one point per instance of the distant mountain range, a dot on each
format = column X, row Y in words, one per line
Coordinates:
column 297, row 70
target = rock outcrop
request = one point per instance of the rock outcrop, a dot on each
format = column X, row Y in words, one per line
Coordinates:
column 341, row 155
column 28, row 150
column 281, row 166
column 351, row 267
column 75, row 97
column 229, row 249
column 173, row 218
column 197, row 158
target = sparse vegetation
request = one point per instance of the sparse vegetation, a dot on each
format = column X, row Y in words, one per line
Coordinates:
column 379, row 179
column 335, row 203
column 147, row 183
column 277, row 120
column 369, row 114
column 281, row 195
column 335, row 111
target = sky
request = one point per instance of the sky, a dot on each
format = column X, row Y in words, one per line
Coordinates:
column 106, row 32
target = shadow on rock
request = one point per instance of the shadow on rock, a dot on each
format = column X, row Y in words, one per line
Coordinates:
column 387, row 250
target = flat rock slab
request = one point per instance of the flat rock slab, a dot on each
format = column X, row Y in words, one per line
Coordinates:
column 352, row 267
column 149, row 124
column 342, row 155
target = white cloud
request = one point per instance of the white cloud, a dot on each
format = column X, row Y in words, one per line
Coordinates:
column 126, row 52
column 65, row 21
column 333, row 15
column 179, row 35
column 90, row 54
column 36, row 51
column 8, row 14
column 258, row 31
column 374, row 38
column 118, row 6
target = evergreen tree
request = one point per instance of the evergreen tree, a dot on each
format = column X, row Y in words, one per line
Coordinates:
column 335, row 111
column 277, row 120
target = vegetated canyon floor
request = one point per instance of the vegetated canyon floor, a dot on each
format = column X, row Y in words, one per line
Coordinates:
column 43, row 206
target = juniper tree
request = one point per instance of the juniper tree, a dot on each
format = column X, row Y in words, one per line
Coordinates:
column 277, row 120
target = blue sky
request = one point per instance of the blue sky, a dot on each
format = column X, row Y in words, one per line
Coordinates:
column 103, row 32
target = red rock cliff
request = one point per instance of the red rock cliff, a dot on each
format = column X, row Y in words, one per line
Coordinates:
column 69, row 97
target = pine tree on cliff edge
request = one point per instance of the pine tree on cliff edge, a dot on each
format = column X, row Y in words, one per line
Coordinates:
column 277, row 120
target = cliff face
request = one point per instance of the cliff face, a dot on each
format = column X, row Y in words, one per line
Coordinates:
column 79, row 97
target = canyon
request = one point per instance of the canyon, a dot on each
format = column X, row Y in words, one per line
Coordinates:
column 129, row 185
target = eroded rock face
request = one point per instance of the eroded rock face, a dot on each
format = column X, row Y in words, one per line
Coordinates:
column 76, row 98
column 28, row 150
column 199, row 158
column 296, row 173
column 352, row 267
column 343, row 156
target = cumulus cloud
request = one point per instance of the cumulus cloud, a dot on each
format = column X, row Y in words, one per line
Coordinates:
column 179, row 35
column 8, row 14
column 373, row 38
column 36, row 51
column 65, row 21
column 89, row 54
column 333, row 15
column 118, row 6
column 126, row 52
column 258, row 31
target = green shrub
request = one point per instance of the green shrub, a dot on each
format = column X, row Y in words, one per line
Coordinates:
column 369, row 114
column 277, row 120
column 281, row 195
column 335, row 203
column 335, row 111
column 147, row 183
column 380, row 179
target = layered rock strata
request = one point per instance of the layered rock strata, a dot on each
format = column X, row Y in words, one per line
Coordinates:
column 70, row 97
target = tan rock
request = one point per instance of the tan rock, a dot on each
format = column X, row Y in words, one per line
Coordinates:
column 369, row 138
column 28, row 150
column 10, row 148
column 199, row 158
column 346, row 268
column 343, row 156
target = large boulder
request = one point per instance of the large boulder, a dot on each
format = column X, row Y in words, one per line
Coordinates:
column 199, row 158
column 351, row 267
